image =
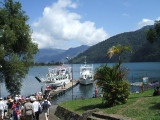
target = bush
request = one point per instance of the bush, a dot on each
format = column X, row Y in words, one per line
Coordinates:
column 114, row 84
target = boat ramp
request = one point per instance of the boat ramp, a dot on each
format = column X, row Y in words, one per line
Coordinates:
column 61, row 90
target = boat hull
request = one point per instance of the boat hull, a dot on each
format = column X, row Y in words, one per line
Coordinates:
column 55, row 83
column 86, row 81
column 60, row 82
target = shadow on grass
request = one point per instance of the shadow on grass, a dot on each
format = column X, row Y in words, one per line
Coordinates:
column 155, row 106
column 140, row 97
column 91, row 107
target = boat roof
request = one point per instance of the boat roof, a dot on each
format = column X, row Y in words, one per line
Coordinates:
column 86, row 66
column 60, row 67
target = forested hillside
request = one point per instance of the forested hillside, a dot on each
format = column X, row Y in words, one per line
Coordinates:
column 141, row 49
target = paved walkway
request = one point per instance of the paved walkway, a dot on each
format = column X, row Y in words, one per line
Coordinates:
column 51, row 116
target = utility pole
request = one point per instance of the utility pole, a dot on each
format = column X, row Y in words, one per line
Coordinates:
column 0, row 83
column 68, row 58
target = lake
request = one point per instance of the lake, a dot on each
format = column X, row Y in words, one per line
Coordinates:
column 136, row 72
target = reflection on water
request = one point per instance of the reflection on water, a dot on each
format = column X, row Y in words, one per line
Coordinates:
column 85, row 90
column 79, row 91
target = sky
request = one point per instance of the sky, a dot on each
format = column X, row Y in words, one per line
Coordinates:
column 64, row 24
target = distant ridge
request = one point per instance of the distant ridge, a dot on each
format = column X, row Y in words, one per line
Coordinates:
column 58, row 55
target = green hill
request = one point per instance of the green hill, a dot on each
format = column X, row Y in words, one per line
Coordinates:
column 141, row 49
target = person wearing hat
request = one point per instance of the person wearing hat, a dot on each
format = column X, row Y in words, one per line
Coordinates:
column 2, row 108
column 16, row 98
column 10, row 111
column 36, row 106
column 28, row 110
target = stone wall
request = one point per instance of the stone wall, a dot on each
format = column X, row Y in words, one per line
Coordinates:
column 65, row 114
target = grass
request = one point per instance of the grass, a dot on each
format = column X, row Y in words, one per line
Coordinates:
column 141, row 106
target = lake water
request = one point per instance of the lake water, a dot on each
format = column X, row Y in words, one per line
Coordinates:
column 136, row 72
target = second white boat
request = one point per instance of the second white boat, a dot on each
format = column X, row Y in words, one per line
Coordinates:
column 86, row 74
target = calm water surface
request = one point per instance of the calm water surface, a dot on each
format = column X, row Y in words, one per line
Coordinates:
column 136, row 72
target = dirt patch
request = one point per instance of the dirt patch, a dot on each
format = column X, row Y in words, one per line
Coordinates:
column 122, row 109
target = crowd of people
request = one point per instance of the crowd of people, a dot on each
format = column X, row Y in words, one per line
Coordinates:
column 20, row 108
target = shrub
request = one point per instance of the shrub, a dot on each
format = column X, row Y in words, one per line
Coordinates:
column 114, row 84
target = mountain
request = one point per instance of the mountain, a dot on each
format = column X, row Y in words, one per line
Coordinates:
column 136, row 39
column 72, row 52
column 58, row 55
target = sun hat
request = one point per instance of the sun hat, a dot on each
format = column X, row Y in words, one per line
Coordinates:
column 34, row 99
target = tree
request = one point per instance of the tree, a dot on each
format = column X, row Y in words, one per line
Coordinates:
column 114, row 84
column 153, row 34
column 119, row 49
column 16, row 47
column 113, row 79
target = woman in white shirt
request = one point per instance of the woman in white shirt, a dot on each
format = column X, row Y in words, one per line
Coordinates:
column 2, row 108
column 36, row 106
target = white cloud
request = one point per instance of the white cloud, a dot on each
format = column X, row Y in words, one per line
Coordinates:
column 145, row 22
column 61, row 28
column 125, row 14
column 126, row 4
column 158, row 18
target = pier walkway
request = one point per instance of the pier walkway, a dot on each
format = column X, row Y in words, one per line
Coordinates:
column 61, row 90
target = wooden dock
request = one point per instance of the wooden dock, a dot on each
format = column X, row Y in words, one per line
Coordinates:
column 136, row 84
column 61, row 90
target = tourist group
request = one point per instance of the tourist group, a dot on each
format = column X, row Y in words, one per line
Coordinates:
column 20, row 108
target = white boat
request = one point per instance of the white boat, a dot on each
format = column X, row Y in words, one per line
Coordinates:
column 57, row 76
column 86, row 74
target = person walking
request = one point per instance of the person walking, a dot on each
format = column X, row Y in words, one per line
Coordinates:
column 64, row 84
column 10, row 104
column 36, row 106
column 5, row 107
column 96, row 92
column 42, row 89
column 2, row 108
column 17, row 111
column 46, row 104
column 28, row 110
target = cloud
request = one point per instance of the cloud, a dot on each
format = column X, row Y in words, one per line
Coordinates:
column 126, row 4
column 158, row 18
column 61, row 28
column 145, row 22
column 125, row 14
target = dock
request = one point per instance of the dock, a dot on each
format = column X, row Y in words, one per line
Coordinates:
column 136, row 84
column 61, row 90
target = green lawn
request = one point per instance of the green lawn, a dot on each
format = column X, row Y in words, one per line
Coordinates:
column 141, row 106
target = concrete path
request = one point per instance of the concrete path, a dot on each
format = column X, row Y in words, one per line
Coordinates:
column 51, row 116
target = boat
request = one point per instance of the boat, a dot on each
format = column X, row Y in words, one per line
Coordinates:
column 86, row 74
column 57, row 76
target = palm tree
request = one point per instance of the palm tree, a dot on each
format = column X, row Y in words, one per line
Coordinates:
column 118, row 50
column 113, row 81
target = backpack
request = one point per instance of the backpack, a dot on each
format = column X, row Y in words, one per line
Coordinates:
column 45, row 105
